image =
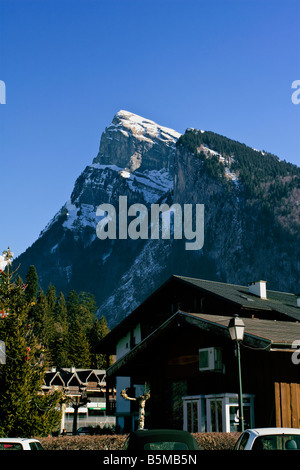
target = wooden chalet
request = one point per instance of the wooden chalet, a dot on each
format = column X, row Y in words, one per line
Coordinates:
column 76, row 383
column 177, row 341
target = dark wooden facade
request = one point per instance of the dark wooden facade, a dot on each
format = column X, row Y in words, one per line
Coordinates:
column 170, row 365
column 167, row 356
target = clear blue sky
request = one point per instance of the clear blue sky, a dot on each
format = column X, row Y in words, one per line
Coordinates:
column 70, row 65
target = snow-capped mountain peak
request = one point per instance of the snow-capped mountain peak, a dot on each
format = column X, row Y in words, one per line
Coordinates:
column 153, row 164
column 142, row 128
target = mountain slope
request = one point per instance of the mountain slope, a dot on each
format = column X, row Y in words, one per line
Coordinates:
column 251, row 222
column 135, row 159
column 252, row 216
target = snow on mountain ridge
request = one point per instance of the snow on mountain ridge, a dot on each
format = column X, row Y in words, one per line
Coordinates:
column 142, row 127
column 106, row 169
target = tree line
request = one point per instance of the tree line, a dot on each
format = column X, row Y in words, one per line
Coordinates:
column 66, row 327
column 261, row 173
column 37, row 330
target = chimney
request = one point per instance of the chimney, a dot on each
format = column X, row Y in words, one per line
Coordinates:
column 258, row 288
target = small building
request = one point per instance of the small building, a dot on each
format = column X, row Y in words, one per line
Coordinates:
column 177, row 342
column 98, row 411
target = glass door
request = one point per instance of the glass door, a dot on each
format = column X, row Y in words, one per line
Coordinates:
column 194, row 414
column 222, row 412
column 248, row 408
column 214, row 415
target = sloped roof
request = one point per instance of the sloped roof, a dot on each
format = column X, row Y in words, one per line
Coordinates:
column 281, row 302
column 80, row 376
column 277, row 302
column 268, row 335
column 273, row 332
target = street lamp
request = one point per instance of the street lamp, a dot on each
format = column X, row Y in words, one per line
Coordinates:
column 236, row 328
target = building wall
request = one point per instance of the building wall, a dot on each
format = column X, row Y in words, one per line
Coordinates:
column 128, row 341
column 172, row 368
column 124, row 415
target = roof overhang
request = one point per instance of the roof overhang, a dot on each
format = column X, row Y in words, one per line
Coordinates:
column 264, row 335
column 279, row 303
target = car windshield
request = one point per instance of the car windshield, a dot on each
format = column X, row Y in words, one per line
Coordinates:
column 277, row 442
column 165, row 445
column 35, row 446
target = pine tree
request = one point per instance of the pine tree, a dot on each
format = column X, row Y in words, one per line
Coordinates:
column 24, row 411
column 51, row 297
column 72, row 305
column 59, row 346
column 82, row 307
column 88, row 300
column 32, row 284
column 99, row 330
column 42, row 319
column 79, row 351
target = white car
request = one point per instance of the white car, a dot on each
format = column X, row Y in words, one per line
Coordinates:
column 14, row 443
column 269, row 439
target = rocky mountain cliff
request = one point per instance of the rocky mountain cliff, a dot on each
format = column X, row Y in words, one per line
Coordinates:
column 251, row 216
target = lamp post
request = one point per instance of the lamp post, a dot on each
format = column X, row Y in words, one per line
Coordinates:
column 236, row 328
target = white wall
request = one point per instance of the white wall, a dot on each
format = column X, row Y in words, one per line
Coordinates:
column 123, row 347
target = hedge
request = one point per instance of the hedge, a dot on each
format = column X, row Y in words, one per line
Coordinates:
column 206, row 441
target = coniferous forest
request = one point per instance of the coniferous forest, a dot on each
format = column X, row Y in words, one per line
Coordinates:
column 39, row 330
column 265, row 182
column 255, row 168
column 67, row 327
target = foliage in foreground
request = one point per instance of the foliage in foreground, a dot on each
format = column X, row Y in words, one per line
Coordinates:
column 23, row 409
column 39, row 330
column 206, row 441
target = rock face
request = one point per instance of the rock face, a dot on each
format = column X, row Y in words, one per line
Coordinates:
column 136, row 143
column 151, row 164
column 136, row 160
column 252, row 216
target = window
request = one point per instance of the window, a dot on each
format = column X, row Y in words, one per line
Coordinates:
column 35, row 446
column 216, row 413
column 277, row 442
column 194, row 415
column 241, row 444
column 10, row 446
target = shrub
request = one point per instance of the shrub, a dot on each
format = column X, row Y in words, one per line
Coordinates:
column 216, row 440
column 104, row 442
column 206, row 441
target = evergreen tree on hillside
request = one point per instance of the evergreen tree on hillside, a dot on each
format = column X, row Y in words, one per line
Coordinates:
column 42, row 319
column 72, row 305
column 83, row 307
column 59, row 346
column 79, row 350
column 51, row 298
column 98, row 332
column 31, row 284
column 267, row 184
